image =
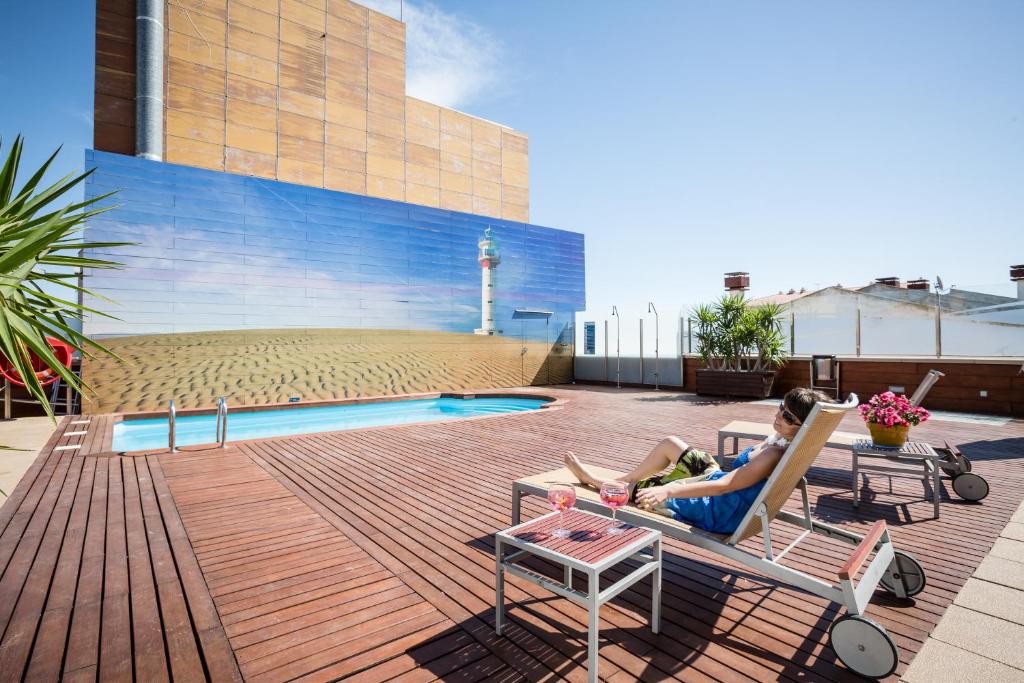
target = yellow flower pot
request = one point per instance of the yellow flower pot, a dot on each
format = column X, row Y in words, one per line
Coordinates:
column 888, row 436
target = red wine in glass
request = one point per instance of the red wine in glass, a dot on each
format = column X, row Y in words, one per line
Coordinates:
column 615, row 494
column 561, row 497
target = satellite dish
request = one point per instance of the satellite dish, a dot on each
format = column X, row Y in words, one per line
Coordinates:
column 938, row 283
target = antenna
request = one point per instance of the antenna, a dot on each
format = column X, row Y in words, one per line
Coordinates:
column 938, row 283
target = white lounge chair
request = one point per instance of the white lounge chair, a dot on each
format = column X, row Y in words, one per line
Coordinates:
column 967, row 485
column 860, row 643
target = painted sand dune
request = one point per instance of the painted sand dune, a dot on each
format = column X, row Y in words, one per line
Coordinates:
column 253, row 367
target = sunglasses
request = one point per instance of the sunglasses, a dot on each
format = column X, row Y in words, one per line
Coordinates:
column 787, row 416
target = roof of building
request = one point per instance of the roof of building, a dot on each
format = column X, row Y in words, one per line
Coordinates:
column 955, row 300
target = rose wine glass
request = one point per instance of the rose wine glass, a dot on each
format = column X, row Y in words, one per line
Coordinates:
column 615, row 494
column 561, row 497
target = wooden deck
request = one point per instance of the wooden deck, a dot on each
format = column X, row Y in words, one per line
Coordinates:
column 368, row 555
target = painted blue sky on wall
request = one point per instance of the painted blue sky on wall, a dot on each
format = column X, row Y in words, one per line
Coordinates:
column 217, row 251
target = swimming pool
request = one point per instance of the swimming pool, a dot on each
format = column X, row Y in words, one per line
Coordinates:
column 151, row 433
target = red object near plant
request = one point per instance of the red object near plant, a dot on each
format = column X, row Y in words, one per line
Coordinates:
column 44, row 373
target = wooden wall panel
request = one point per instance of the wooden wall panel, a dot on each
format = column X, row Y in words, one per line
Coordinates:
column 306, row 91
column 114, row 107
column 959, row 390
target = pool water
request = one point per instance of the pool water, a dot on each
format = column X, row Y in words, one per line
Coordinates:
column 149, row 434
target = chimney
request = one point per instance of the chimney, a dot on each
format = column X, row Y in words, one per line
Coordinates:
column 891, row 281
column 1017, row 275
column 919, row 283
column 737, row 283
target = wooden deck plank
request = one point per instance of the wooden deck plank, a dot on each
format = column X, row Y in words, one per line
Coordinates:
column 116, row 657
column 84, row 637
column 184, row 657
column 52, row 634
column 147, row 632
column 281, row 557
column 472, row 565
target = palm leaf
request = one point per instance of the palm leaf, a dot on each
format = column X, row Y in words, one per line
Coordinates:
column 36, row 236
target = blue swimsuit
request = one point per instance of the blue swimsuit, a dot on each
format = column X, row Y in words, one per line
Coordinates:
column 718, row 514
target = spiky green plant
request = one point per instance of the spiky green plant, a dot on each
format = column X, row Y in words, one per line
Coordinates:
column 732, row 335
column 41, row 259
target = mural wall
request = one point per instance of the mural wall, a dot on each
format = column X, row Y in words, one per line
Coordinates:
column 263, row 291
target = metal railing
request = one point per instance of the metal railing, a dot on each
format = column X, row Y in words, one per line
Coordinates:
column 171, row 415
column 222, row 422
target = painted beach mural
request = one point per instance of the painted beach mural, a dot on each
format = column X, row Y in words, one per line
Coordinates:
column 262, row 291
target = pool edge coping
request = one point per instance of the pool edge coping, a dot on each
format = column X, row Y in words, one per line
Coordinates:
column 551, row 403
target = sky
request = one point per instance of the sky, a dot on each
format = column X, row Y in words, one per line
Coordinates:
column 807, row 143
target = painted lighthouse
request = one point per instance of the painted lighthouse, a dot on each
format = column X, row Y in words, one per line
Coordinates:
column 489, row 259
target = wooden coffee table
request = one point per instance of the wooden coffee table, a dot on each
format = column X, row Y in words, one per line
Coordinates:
column 590, row 550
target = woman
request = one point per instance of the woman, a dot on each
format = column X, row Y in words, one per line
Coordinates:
column 718, row 501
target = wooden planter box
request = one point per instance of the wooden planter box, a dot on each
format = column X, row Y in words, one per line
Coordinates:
column 731, row 383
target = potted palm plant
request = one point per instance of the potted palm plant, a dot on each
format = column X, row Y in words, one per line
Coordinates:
column 741, row 346
column 42, row 255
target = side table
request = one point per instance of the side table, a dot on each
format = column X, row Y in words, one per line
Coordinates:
column 590, row 550
column 914, row 459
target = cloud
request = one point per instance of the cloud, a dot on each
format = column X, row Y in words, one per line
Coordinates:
column 452, row 61
column 83, row 115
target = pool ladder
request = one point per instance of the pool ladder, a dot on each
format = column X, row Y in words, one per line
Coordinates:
column 171, row 414
column 221, row 435
column 222, row 422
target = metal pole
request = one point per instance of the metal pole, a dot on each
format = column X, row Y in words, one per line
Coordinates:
column 938, row 326
column 641, row 351
column 689, row 335
column 792, row 333
column 171, row 413
column 605, row 350
column 618, row 347
column 222, row 422
column 858, row 328
column 682, row 356
column 657, row 355
column 149, row 79
column 7, row 399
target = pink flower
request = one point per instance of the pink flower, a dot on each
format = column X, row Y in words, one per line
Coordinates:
column 891, row 410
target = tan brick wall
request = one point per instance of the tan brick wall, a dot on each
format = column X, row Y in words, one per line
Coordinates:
column 313, row 92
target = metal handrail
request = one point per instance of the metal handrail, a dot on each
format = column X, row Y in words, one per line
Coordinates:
column 222, row 422
column 657, row 355
column 171, row 415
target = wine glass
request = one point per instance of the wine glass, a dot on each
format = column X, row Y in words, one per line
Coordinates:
column 615, row 494
column 561, row 497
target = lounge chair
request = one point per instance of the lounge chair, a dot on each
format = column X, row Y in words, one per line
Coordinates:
column 860, row 643
column 969, row 486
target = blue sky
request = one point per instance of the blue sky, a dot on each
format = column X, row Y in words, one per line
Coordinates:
column 808, row 143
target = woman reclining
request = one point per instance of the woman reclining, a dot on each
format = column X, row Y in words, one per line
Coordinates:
column 717, row 501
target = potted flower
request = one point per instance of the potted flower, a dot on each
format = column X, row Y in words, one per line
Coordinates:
column 889, row 418
column 741, row 346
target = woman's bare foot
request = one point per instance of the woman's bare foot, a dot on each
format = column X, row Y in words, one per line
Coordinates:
column 580, row 471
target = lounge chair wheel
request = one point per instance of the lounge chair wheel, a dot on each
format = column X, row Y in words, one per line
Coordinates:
column 964, row 463
column 863, row 646
column 911, row 575
column 970, row 486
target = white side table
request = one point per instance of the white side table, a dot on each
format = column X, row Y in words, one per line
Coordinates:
column 915, row 460
column 589, row 549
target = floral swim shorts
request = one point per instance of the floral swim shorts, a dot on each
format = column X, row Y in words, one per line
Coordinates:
column 692, row 463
